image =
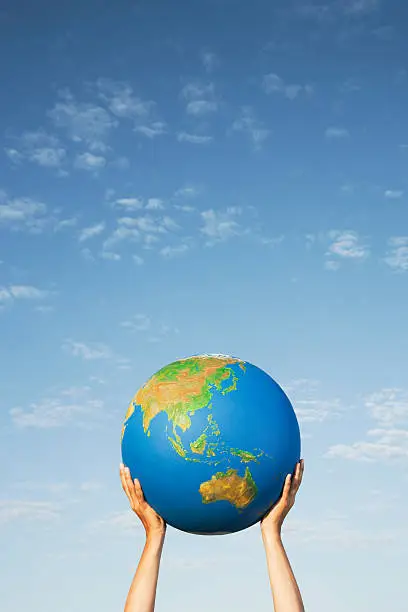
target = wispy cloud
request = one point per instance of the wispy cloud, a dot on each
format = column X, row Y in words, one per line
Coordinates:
column 309, row 405
column 336, row 133
column 121, row 522
column 274, row 84
column 21, row 292
column 251, row 127
column 218, row 226
column 121, row 100
column 199, row 98
column 87, row 351
column 393, row 194
column 28, row 511
column 188, row 191
column 209, row 60
column 22, row 213
column 90, row 162
column 155, row 332
column 152, row 130
column 86, row 123
column 38, row 147
column 138, row 322
column 397, row 256
column 90, row 232
column 194, row 138
column 388, row 439
column 69, row 406
column 130, row 203
column 172, row 251
column 345, row 245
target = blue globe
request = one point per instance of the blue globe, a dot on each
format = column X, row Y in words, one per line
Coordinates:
column 211, row 439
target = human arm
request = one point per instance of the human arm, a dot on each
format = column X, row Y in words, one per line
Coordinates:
column 285, row 591
column 142, row 592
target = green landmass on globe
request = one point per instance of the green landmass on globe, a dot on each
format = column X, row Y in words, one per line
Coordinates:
column 182, row 388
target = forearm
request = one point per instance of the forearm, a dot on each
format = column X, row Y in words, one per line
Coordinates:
column 285, row 590
column 142, row 593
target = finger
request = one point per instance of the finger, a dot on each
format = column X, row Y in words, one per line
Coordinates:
column 138, row 491
column 299, row 473
column 286, row 488
column 297, row 479
column 131, row 488
column 124, row 482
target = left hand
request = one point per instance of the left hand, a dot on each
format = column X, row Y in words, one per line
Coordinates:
column 273, row 521
column 153, row 523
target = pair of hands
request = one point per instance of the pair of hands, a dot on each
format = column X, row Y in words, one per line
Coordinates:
column 155, row 526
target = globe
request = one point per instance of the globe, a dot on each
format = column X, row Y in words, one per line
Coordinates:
column 211, row 439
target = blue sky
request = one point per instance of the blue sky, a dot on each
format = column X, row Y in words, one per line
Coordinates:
column 202, row 177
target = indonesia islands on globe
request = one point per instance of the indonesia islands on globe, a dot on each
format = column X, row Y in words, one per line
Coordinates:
column 211, row 439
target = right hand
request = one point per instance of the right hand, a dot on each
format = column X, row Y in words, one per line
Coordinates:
column 154, row 524
column 272, row 522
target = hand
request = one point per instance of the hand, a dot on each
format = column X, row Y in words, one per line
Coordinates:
column 154, row 525
column 273, row 521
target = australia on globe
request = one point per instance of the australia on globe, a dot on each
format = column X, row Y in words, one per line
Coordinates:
column 211, row 439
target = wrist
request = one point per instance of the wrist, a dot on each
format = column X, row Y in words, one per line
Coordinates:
column 155, row 538
column 272, row 534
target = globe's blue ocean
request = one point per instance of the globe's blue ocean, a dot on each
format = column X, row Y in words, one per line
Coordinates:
column 256, row 417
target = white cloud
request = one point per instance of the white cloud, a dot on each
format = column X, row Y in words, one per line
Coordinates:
column 347, row 245
column 193, row 138
column 272, row 83
column 201, row 107
column 139, row 322
column 397, row 256
column 89, row 161
column 14, row 155
column 142, row 323
column 89, row 232
column 65, row 223
column 393, row 194
column 38, row 147
column 336, row 132
column 27, row 511
column 209, row 60
column 124, row 232
column 129, row 203
column 139, row 261
column 122, row 102
column 22, row 213
column 51, row 412
column 21, row 292
column 154, row 204
column 200, row 98
column 219, row 226
column 111, row 256
column 171, row 251
column 251, row 127
column 87, row 351
column 197, row 91
column 85, row 123
column 188, row 191
column 156, row 128
column 357, row 7
column 388, row 440
column 388, row 407
column 309, row 406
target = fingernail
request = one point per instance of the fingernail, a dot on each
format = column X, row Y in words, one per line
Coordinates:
column 121, row 466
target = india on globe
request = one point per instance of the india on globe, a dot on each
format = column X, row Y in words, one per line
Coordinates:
column 211, row 439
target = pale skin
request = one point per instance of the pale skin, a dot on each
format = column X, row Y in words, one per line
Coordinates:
column 285, row 591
